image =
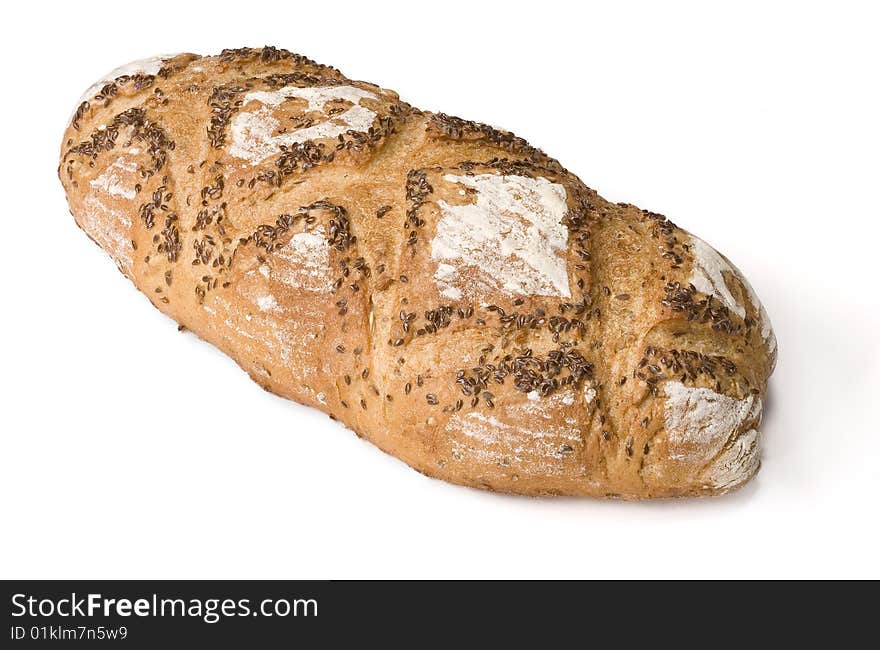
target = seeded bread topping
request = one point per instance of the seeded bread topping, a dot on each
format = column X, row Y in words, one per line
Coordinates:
column 443, row 288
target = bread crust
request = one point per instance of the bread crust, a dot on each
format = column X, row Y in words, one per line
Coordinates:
column 444, row 289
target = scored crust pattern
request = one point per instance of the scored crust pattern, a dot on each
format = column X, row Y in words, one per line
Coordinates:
column 442, row 287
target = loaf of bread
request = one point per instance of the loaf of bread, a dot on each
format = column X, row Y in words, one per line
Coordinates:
column 441, row 287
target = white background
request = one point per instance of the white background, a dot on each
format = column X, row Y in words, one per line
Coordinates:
column 754, row 126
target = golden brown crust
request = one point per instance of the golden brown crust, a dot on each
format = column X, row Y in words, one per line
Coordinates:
column 313, row 262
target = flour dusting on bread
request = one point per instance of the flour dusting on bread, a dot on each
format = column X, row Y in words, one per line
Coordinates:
column 708, row 276
column 512, row 237
column 282, row 341
column 700, row 422
column 546, row 408
column 736, row 464
column 767, row 333
column 305, row 262
column 256, row 135
column 267, row 303
column 119, row 179
column 444, row 277
column 532, row 450
column 148, row 66
column 110, row 228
